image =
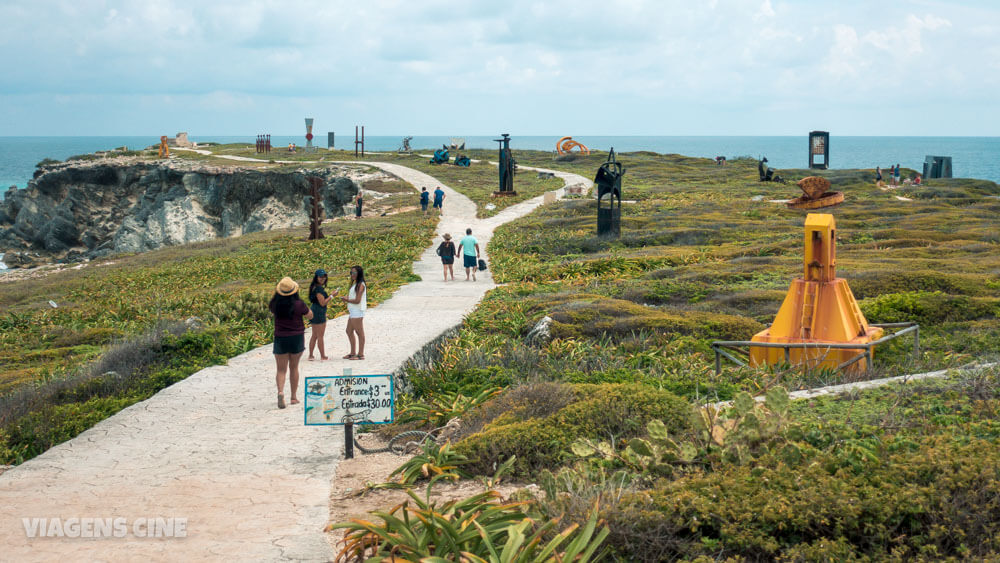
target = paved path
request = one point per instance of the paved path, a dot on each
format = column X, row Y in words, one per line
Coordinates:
column 252, row 481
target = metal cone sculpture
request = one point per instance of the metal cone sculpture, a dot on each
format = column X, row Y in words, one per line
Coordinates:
column 819, row 308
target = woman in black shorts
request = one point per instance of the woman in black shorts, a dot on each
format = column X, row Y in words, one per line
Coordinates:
column 319, row 299
column 447, row 253
column 289, row 335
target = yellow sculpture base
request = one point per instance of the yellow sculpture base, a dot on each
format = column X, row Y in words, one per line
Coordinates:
column 816, row 312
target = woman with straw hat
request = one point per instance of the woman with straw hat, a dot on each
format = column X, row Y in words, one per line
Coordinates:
column 289, row 335
column 446, row 250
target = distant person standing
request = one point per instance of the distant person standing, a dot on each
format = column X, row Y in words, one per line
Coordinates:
column 425, row 199
column 878, row 175
column 895, row 174
column 470, row 254
column 357, row 205
column 916, row 181
column 446, row 250
column 438, row 198
column 357, row 303
column 289, row 335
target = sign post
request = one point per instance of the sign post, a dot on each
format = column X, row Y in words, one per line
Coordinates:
column 348, row 400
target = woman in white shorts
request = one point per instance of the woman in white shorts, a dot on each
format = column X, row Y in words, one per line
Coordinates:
column 357, row 302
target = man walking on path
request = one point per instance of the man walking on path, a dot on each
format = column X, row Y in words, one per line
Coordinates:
column 438, row 198
column 470, row 253
column 425, row 197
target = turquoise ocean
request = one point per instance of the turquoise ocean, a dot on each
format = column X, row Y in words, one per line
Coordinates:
column 972, row 157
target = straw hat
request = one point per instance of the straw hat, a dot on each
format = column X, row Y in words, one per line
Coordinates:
column 447, row 236
column 287, row 286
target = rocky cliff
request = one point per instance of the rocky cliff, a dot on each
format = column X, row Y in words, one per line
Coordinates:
column 86, row 210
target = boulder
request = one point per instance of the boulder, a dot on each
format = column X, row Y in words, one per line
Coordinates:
column 541, row 333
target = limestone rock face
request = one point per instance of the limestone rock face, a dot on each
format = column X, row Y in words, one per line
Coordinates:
column 86, row 210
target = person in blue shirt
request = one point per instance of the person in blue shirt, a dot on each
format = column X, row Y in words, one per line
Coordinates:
column 438, row 198
column 470, row 254
column 425, row 198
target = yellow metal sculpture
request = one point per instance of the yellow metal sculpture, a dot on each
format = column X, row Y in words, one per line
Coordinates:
column 567, row 144
column 819, row 308
column 164, row 149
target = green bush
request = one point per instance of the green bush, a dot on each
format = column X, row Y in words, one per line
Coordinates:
column 595, row 317
column 927, row 307
column 601, row 412
column 54, row 424
column 934, row 499
column 872, row 283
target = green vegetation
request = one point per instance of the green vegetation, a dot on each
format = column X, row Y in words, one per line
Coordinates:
column 50, row 387
column 905, row 473
column 478, row 529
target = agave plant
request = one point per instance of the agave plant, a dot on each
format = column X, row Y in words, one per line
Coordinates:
column 479, row 529
column 434, row 462
column 444, row 406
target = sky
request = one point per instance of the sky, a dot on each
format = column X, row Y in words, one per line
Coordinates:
column 537, row 67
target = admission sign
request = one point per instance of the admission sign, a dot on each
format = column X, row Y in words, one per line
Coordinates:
column 337, row 400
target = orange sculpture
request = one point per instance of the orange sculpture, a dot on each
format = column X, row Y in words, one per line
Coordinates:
column 819, row 308
column 567, row 144
column 164, row 149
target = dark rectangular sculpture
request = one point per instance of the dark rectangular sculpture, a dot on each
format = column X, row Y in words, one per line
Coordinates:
column 506, row 167
column 330, row 137
column 937, row 166
column 819, row 145
column 609, row 183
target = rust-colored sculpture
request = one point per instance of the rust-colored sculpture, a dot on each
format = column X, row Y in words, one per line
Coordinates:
column 567, row 144
column 164, row 149
column 316, row 217
column 817, row 194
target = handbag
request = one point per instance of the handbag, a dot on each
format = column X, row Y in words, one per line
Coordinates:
column 482, row 265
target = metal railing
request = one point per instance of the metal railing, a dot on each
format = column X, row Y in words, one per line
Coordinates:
column 722, row 348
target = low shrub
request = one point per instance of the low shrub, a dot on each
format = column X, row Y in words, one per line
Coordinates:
column 928, row 307
column 933, row 499
column 533, row 400
column 594, row 317
column 872, row 283
column 614, row 412
column 35, row 419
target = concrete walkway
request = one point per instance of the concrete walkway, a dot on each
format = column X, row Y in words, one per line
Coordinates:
column 251, row 481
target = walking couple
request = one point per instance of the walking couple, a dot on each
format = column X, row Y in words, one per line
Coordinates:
column 470, row 255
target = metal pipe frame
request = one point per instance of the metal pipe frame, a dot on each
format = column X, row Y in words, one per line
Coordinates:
column 865, row 350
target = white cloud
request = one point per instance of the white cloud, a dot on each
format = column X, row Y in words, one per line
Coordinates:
column 523, row 59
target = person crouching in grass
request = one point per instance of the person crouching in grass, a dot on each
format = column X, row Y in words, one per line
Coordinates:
column 289, row 335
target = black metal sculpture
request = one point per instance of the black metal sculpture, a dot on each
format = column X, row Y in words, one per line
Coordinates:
column 609, row 183
column 506, row 167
